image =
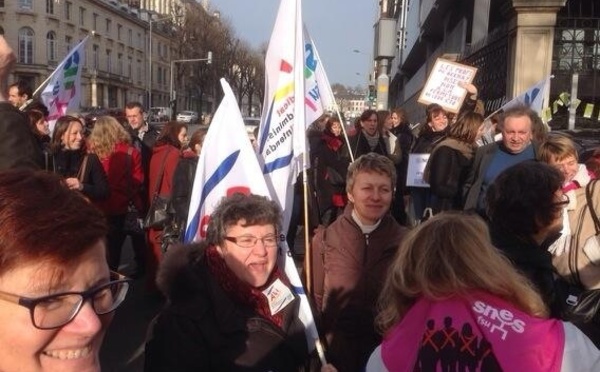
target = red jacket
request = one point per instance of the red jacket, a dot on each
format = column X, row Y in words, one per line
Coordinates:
column 170, row 155
column 124, row 182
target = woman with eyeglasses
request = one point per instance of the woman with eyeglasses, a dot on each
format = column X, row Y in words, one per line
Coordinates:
column 57, row 294
column 230, row 307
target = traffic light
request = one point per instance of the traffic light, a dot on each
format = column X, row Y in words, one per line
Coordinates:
column 372, row 93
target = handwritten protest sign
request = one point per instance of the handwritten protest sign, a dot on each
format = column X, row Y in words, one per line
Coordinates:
column 416, row 167
column 442, row 84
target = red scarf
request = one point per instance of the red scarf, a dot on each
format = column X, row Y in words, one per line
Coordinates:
column 240, row 291
column 333, row 142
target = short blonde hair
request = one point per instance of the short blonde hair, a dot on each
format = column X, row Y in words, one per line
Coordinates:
column 451, row 254
column 371, row 162
column 106, row 134
column 557, row 147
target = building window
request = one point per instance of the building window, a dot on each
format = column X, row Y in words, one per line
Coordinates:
column 120, row 64
column 81, row 16
column 68, row 10
column 95, row 56
column 1, row 3
column 26, row 45
column 50, row 6
column 108, row 26
column 95, row 21
column 129, row 66
column 119, row 29
column 139, row 40
column 51, row 46
column 26, row 4
column 130, row 37
column 108, row 60
column 68, row 42
column 139, row 70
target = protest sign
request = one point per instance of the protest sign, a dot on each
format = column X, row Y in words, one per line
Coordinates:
column 442, row 84
column 416, row 168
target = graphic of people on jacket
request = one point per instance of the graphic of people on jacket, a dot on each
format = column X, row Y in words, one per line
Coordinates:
column 447, row 349
column 429, row 351
column 467, row 350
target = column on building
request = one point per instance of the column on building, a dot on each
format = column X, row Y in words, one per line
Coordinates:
column 530, row 43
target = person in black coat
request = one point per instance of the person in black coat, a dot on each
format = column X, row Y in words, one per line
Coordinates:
column 81, row 171
column 368, row 137
column 401, row 129
column 331, row 161
column 217, row 317
column 18, row 148
column 451, row 161
column 430, row 134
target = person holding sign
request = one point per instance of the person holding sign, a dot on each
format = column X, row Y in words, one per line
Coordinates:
column 429, row 136
column 450, row 163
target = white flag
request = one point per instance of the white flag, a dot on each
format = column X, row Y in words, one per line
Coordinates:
column 532, row 97
column 63, row 92
column 228, row 164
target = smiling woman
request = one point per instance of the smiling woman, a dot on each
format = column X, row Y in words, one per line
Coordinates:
column 56, row 291
column 231, row 308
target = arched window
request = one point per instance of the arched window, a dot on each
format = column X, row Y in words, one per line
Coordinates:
column 26, row 45
column 51, row 46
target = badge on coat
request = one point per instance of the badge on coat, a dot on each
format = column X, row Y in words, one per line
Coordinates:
column 278, row 296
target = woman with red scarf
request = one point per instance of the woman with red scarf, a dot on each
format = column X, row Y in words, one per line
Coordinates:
column 230, row 307
column 331, row 160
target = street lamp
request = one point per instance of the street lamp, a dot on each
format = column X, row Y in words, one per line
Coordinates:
column 149, row 84
column 172, row 95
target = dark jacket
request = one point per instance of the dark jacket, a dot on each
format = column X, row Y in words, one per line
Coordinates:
column 360, row 146
column 406, row 139
column 183, row 181
column 474, row 181
column 67, row 163
column 425, row 143
column 532, row 260
column 331, row 165
column 448, row 169
column 202, row 329
column 18, row 146
column 349, row 269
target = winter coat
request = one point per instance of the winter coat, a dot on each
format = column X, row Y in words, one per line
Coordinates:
column 532, row 260
column 582, row 228
column 446, row 172
column 67, row 163
column 183, row 181
column 18, row 146
column 331, row 167
column 349, row 269
column 123, row 168
column 478, row 331
column 162, row 186
column 360, row 146
column 203, row 329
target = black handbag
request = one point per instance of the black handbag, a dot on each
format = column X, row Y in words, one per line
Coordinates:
column 158, row 214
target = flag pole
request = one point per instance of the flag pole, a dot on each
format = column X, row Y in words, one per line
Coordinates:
column 343, row 125
column 45, row 82
column 307, row 246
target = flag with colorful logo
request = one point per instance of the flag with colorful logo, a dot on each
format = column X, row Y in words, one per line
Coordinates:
column 228, row 164
column 63, row 92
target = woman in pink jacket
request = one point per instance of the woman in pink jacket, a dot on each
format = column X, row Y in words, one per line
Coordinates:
column 452, row 302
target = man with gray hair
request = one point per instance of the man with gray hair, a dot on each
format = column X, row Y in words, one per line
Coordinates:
column 490, row 160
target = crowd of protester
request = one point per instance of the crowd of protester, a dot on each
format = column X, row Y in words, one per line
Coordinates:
column 501, row 275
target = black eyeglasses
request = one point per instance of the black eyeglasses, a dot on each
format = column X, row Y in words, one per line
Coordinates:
column 249, row 241
column 56, row 310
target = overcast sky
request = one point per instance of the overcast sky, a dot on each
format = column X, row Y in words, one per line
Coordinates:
column 337, row 26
